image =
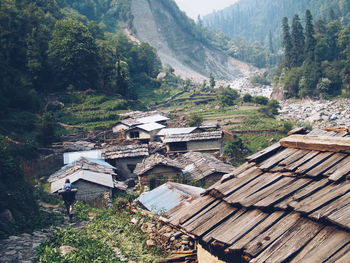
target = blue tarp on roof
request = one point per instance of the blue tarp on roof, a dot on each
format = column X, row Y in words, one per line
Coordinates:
column 169, row 196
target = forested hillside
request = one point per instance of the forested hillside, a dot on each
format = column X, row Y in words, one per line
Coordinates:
column 316, row 58
column 257, row 20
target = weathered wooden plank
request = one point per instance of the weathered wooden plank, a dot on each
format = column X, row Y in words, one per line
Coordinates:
column 338, row 166
column 341, row 217
column 290, row 242
column 186, row 213
column 224, row 226
column 303, row 193
column 304, row 159
column 344, row 251
column 230, row 232
column 283, row 193
column 262, row 241
column 212, row 218
column 331, row 207
column 344, row 258
column 321, row 198
column 257, row 196
column 325, row 244
column 264, row 153
column 256, row 231
column 317, row 143
column 340, row 172
column 275, row 159
column 327, row 164
column 294, row 157
column 198, row 218
column 298, row 130
column 232, row 185
column 238, row 172
column 318, row 159
column 252, row 187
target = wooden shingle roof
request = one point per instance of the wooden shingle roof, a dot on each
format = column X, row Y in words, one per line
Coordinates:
column 127, row 151
column 155, row 160
column 200, row 136
column 283, row 205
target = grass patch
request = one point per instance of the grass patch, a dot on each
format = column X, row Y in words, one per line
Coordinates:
column 110, row 231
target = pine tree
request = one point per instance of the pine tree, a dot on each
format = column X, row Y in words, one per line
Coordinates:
column 298, row 42
column 272, row 50
column 287, row 43
column 310, row 42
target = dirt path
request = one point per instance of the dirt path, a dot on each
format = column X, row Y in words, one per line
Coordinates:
column 21, row 248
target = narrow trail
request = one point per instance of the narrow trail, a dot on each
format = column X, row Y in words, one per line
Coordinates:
column 21, row 248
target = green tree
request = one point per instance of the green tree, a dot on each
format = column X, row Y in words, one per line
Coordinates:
column 227, row 96
column 287, row 43
column 195, row 120
column 298, row 42
column 212, row 82
column 73, row 55
column 310, row 42
column 235, row 149
column 46, row 129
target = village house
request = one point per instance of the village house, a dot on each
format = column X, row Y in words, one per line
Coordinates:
column 169, row 197
column 204, row 168
column 174, row 131
column 70, row 157
column 192, row 166
column 160, row 169
column 199, row 142
column 125, row 158
column 93, row 178
column 144, row 133
column 287, row 203
column 139, row 119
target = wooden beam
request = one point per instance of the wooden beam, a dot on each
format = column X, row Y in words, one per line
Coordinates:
column 317, row 143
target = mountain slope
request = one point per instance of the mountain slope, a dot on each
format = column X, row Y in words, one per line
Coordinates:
column 165, row 27
column 254, row 19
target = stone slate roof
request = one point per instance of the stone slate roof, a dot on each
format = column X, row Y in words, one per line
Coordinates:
column 128, row 151
column 82, row 164
column 201, row 165
column 86, row 175
column 201, row 136
column 285, row 204
column 155, row 160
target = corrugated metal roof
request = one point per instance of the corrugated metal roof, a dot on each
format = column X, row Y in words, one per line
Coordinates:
column 153, row 118
column 151, row 126
column 169, row 196
column 71, row 157
column 93, row 177
column 173, row 131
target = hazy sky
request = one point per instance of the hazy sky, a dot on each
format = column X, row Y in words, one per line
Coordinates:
column 195, row 7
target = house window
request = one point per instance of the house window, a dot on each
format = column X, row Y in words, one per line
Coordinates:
column 134, row 134
column 178, row 146
column 131, row 167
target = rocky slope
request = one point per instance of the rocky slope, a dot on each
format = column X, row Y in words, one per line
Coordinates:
column 318, row 113
column 177, row 47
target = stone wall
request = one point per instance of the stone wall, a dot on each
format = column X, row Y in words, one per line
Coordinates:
column 43, row 166
column 122, row 165
column 212, row 145
column 89, row 191
column 162, row 173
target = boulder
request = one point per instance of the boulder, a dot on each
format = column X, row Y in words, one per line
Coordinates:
column 66, row 249
column 6, row 216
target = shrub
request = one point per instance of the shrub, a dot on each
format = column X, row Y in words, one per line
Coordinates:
column 235, row 149
column 247, row 98
column 271, row 109
column 227, row 96
column 261, row 100
column 260, row 80
column 195, row 120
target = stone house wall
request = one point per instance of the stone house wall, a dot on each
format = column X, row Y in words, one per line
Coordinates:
column 89, row 191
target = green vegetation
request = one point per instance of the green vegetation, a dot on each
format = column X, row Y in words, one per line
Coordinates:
column 316, row 59
column 110, row 231
column 195, row 120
